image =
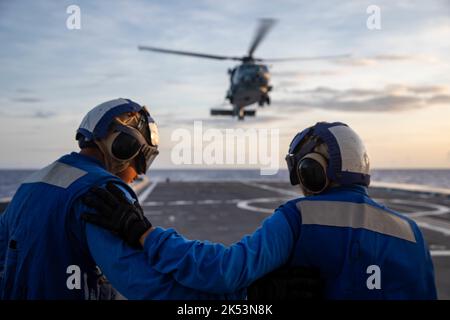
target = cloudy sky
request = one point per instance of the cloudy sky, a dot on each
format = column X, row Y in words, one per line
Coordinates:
column 394, row 90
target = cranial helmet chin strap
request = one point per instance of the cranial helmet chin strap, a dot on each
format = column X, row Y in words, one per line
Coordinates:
column 113, row 165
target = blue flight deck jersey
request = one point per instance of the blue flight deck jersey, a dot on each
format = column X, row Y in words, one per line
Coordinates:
column 342, row 232
column 43, row 241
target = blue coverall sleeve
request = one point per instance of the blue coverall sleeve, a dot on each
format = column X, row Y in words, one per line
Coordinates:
column 214, row 267
column 128, row 269
column 3, row 242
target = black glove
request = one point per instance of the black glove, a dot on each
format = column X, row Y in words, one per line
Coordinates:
column 287, row 283
column 115, row 213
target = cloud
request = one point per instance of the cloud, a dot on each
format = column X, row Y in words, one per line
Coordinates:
column 304, row 74
column 390, row 98
column 377, row 59
column 36, row 114
column 42, row 114
column 285, row 80
column 23, row 90
column 292, row 78
column 26, row 99
column 440, row 99
column 393, row 89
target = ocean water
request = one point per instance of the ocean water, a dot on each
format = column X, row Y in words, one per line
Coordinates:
column 10, row 181
column 436, row 178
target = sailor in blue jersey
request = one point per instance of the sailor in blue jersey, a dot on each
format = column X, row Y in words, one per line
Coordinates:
column 362, row 249
column 48, row 252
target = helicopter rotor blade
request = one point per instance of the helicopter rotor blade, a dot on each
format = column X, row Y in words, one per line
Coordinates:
column 331, row 57
column 188, row 53
column 263, row 28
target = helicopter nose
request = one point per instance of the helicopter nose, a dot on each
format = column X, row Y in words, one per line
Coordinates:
column 247, row 79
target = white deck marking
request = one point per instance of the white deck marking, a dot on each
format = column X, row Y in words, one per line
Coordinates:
column 269, row 188
column 153, row 203
column 189, row 202
column 437, row 209
column 144, row 195
column 434, row 227
column 440, row 253
column 180, row 203
column 246, row 204
column 209, row 202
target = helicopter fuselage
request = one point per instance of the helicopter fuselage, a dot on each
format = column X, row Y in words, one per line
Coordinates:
column 249, row 84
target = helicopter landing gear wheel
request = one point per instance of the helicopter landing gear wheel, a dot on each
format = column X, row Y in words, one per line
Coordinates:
column 235, row 111
column 241, row 114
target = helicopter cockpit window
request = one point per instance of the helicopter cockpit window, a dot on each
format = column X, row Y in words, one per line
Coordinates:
column 245, row 71
column 236, row 76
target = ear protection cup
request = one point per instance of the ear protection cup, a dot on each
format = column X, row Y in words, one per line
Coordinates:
column 124, row 146
column 128, row 143
column 312, row 172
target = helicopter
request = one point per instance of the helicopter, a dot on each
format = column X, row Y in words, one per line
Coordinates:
column 250, row 80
